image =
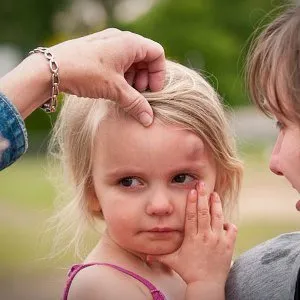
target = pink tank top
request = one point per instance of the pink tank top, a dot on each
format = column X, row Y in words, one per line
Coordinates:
column 156, row 294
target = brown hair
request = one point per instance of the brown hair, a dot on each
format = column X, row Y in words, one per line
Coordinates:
column 273, row 66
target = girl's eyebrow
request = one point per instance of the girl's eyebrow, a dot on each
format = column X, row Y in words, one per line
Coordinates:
column 120, row 172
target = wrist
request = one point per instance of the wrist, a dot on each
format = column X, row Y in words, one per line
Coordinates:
column 208, row 284
column 28, row 86
column 51, row 104
column 205, row 290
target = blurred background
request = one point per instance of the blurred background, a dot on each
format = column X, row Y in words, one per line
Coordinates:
column 212, row 36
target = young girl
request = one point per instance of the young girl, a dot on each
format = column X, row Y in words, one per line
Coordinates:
column 152, row 186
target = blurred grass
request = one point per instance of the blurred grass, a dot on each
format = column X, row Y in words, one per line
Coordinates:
column 255, row 156
column 26, row 201
column 25, row 184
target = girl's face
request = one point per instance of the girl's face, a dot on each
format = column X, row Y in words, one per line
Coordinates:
column 141, row 179
column 285, row 158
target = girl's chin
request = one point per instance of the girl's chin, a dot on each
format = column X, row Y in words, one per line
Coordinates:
column 161, row 250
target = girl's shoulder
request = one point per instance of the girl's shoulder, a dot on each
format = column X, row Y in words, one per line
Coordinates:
column 100, row 282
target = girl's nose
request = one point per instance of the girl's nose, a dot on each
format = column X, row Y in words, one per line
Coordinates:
column 160, row 203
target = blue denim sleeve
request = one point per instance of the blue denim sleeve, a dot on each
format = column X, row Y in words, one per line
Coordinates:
column 12, row 129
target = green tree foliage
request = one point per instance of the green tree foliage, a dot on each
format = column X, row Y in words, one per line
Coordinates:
column 204, row 34
column 109, row 7
column 27, row 23
column 207, row 35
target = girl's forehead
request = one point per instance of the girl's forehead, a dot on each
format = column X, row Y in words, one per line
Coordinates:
column 128, row 133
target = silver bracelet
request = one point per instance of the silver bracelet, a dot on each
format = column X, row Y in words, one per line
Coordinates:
column 51, row 104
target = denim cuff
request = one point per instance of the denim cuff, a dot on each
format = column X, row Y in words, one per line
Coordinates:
column 12, row 129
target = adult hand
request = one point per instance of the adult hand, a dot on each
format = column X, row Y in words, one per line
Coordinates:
column 101, row 65
column 204, row 258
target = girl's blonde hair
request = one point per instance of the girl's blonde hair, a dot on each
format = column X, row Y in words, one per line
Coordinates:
column 273, row 66
column 186, row 100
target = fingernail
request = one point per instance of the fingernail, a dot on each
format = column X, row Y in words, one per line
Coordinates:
column 145, row 119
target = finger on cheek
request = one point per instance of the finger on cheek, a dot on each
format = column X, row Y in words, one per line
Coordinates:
column 216, row 210
column 191, row 213
column 203, row 208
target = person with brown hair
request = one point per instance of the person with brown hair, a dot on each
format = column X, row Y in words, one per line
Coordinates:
column 271, row 270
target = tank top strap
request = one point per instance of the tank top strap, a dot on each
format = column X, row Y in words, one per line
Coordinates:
column 156, row 294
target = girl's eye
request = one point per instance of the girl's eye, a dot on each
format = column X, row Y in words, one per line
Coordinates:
column 183, row 178
column 129, row 182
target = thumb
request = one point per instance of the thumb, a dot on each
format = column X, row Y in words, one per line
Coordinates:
column 134, row 103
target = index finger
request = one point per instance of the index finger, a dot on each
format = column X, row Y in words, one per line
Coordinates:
column 191, row 223
column 203, row 208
